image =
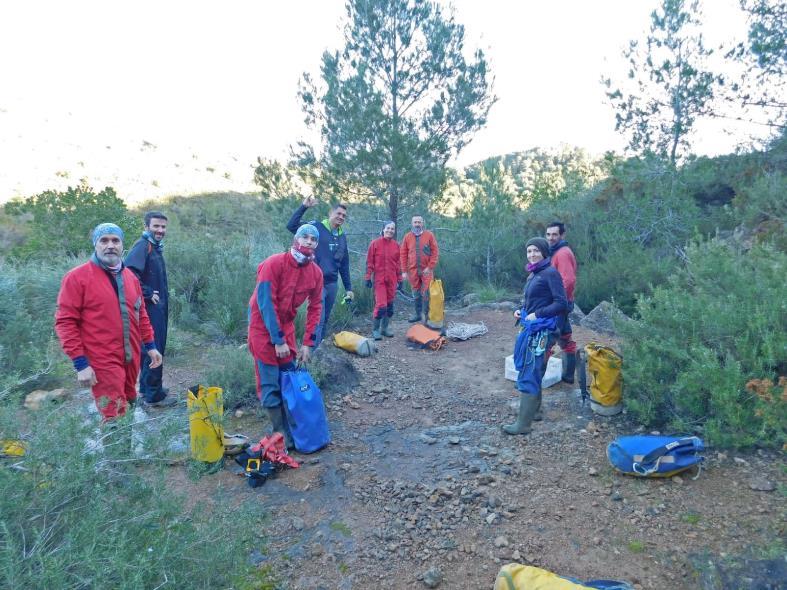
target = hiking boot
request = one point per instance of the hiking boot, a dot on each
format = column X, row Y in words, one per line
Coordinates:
column 276, row 416
column 386, row 328
column 539, row 415
column 165, row 402
column 527, row 409
column 569, row 362
column 376, row 329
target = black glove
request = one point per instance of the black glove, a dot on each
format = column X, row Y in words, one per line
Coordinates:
column 368, row 283
column 399, row 286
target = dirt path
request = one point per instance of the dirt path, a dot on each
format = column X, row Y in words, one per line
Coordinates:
column 420, row 477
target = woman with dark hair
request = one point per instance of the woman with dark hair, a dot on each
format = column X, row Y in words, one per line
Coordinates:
column 382, row 262
column 544, row 305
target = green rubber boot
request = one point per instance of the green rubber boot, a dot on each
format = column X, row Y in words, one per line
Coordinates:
column 528, row 403
column 276, row 416
column 376, row 329
column 417, row 303
column 539, row 415
column 386, row 328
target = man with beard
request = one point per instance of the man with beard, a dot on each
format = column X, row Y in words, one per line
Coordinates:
column 562, row 258
column 103, row 325
column 146, row 260
column 419, row 254
column 284, row 282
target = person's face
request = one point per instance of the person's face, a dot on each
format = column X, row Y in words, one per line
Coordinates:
column 157, row 227
column 553, row 235
column 307, row 241
column 389, row 230
column 337, row 216
column 534, row 255
column 109, row 248
column 417, row 222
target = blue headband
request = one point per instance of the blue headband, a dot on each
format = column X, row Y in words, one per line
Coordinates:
column 103, row 229
column 307, row 229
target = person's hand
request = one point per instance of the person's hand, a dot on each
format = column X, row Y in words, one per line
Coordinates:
column 368, row 283
column 426, row 271
column 309, row 202
column 155, row 358
column 87, row 377
column 349, row 295
column 399, row 286
column 404, row 275
column 282, row 350
column 530, row 317
column 155, row 298
column 518, row 314
column 304, row 354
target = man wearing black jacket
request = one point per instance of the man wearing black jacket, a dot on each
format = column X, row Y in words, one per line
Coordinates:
column 331, row 255
column 146, row 260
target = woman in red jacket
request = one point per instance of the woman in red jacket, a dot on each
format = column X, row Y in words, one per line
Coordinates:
column 382, row 261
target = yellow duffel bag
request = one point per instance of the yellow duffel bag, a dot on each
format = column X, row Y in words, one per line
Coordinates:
column 605, row 371
column 515, row 576
column 355, row 343
column 436, row 315
column 206, row 411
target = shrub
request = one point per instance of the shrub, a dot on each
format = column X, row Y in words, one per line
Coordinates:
column 73, row 519
column 715, row 326
column 62, row 221
column 232, row 369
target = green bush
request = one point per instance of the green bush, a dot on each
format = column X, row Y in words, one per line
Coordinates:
column 62, row 221
column 75, row 519
column 30, row 356
column 232, row 369
column 716, row 325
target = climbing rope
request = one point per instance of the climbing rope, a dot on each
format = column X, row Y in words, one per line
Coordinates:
column 460, row 331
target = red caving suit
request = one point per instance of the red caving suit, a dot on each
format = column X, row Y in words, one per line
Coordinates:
column 419, row 253
column 382, row 260
column 89, row 323
column 282, row 286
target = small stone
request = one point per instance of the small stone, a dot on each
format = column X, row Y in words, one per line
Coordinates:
column 297, row 523
column 430, row 440
column 501, row 542
column 741, row 461
column 616, row 497
column 677, row 479
column 432, row 577
column 239, row 413
column 491, row 518
column 454, row 440
column 39, row 398
column 516, row 555
column 592, row 471
column 762, row 485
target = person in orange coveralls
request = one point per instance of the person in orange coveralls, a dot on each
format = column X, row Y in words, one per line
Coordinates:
column 382, row 261
column 103, row 326
column 419, row 255
column 284, row 282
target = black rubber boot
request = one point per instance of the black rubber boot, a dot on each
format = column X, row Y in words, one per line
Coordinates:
column 386, row 328
column 417, row 304
column 528, row 403
column 276, row 416
column 569, row 362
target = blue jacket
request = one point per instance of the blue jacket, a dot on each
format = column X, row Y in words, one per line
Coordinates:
column 146, row 260
column 332, row 255
column 544, row 293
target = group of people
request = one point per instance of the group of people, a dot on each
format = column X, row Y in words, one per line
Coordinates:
column 112, row 313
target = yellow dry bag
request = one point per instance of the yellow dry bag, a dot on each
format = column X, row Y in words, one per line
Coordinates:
column 604, row 367
column 355, row 343
column 436, row 305
column 206, row 410
column 516, row 576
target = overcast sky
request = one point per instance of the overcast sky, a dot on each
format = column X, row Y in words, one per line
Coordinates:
column 221, row 77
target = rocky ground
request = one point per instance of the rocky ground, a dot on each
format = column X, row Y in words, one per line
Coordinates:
column 420, row 488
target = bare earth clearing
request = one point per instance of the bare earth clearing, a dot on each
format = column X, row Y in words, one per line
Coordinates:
column 420, row 476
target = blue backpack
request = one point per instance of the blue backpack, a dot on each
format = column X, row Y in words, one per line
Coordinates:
column 655, row 456
column 305, row 411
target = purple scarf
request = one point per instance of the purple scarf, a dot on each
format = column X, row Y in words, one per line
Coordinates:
column 538, row 265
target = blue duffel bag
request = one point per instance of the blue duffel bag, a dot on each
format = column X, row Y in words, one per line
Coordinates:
column 305, row 411
column 650, row 455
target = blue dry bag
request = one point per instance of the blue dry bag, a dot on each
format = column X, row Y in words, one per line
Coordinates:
column 305, row 411
column 655, row 456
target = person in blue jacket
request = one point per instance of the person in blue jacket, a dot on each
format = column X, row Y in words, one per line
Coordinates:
column 146, row 260
column 332, row 255
column 545, row 305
